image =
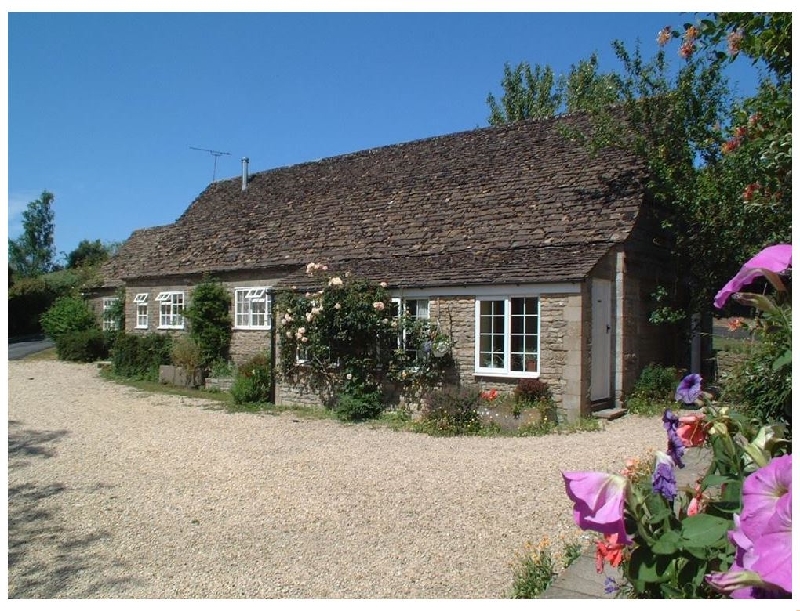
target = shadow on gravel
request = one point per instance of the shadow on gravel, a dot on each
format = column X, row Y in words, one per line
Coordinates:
column 45, row 560
column 27, row 443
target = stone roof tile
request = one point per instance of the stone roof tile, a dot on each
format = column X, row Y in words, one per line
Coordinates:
column 487, row 205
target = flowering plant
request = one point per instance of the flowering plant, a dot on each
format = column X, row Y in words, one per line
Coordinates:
column 726, row 534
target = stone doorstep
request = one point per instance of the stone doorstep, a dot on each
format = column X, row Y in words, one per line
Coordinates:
column 610, row 413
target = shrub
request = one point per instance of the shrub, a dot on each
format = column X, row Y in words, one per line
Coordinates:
column 355, row 406
column 209, row 319
column 84, row 346
column 763, row 390
column 67, row 314
column 453, row 410
column 222, row 368
column 253, row 383
column 186, row 353
column 531, row 390
column 535, row 573
column 657, row 383
column 139, row 356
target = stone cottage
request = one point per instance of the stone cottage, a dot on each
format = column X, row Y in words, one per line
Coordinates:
column 541, row 254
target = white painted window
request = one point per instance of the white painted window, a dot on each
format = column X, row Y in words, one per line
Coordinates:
column 170, row 311
column 253, row 308
column 507, row 332
column 140, row 302
column 109, row 324
column 410, row 309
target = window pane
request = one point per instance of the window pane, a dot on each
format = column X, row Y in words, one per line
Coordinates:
column 525, row 338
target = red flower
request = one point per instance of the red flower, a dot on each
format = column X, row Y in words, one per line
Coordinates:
column 489, row 395
column 608, row 549
column 692, row 430
column 750, row 191
column 687, row 49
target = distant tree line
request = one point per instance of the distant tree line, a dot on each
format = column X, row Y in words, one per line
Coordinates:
column 35, row 278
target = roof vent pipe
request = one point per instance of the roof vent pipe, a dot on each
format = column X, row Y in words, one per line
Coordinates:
column 245, row 161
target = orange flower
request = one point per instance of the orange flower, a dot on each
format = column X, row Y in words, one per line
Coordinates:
column 608, row 549
column 734, row 324
column 692, row 430
column 664, row 36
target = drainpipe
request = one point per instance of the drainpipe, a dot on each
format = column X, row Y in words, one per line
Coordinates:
column 272, row 342
column 245, row 162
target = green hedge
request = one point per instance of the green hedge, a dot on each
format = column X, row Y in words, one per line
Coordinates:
column 139, row 356
column 82, row 346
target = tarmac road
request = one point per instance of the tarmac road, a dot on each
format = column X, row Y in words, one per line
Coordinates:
column 20, row 349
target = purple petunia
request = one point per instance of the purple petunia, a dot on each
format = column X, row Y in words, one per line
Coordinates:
column 664, row 477
column 689, row 389
column 675, row 447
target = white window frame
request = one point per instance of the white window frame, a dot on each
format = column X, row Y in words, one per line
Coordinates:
column 140, row 305
column 170, row 310
column 109, row 324
column 505, row 370
column 401, row 308
column 246, row 296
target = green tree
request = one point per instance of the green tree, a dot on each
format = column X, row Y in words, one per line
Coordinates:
column 33, row 253
column 209, row 320
column 88, row 253
column 538, row 94
column 527, row 94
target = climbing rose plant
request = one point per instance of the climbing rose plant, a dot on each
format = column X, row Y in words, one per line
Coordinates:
column 347, row 340
column 730, row 533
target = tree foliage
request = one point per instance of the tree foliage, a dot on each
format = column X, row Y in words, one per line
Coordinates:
column 720, row 169
column 33, row 253
column 537, row 93
column 210, row 321
column 88, row 253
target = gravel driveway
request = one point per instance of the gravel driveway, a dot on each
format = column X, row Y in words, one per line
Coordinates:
column 118, row 493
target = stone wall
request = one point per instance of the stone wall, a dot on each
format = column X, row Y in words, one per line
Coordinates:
column 245, row 343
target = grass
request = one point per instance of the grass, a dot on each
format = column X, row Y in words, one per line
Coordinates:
column 43, row 355
column 397, row 420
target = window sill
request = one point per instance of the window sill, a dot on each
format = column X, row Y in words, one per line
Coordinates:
column 507, row 374
column 141, row 327
column 170, row 328
column 252, row 328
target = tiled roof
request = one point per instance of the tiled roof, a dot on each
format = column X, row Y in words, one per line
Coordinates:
column 515, row 203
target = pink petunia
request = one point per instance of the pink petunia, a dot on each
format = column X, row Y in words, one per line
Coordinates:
column 599, row 500
column 777, row 259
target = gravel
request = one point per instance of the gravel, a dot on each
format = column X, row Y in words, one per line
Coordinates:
column 118, row 493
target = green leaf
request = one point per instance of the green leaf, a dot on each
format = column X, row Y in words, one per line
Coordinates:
column 647, row 568
column 668, row 543
column 784, row 359
column 703, row 530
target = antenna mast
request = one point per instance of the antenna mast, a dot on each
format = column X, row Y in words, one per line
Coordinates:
column 216, row 155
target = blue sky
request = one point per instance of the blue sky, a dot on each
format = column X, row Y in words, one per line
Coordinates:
column 103, row 108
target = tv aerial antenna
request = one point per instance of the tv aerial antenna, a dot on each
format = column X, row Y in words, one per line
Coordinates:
column 216, row 154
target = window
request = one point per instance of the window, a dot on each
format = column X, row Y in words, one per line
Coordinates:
column 412, row 310
column 140, row 302
column 508, row 336
column 170, row 314
column 253, row 308
column 109, row 324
